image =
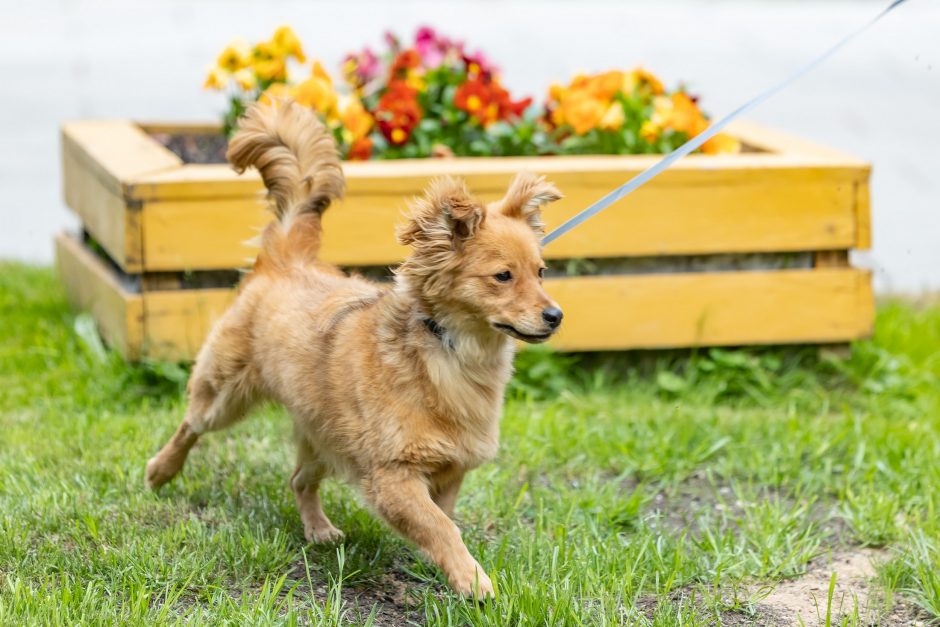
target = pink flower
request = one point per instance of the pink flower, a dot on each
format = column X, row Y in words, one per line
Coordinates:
column 431, row 47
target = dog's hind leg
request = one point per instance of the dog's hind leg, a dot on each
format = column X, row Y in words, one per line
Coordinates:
column 305, row 482
column 211, row 407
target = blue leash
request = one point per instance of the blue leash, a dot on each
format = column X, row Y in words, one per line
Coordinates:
column 696, row 142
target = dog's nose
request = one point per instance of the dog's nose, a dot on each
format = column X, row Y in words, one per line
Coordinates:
column 553, row 316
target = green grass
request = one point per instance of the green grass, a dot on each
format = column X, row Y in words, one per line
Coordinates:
column 649, row 490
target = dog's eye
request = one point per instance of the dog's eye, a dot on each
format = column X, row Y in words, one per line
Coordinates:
column 503, row 277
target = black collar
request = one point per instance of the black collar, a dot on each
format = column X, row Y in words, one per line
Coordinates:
column 434, row 328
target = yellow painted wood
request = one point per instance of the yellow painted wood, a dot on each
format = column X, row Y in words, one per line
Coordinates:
column 116, row 151
column 177, row 321
column 730, row 211
column 863, row 215
column 713, row 309
column 91, row 286
column 823, row 305
column 103, row 213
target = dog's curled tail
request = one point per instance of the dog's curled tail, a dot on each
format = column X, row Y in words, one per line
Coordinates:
column 298, row 161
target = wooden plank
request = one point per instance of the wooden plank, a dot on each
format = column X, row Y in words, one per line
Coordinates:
column 116, row 151
column 484, row 174
column 766, row 139
column 684, row 213
column 91, row 286
column 713, row 309
column 176, row 322
column 863, row 215
column 104, row 213
column 623, row 312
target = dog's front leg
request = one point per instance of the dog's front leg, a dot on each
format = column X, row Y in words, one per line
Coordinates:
column 444, row 490
column 402, row 498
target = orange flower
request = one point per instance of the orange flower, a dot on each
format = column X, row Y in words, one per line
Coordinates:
column 582, row 111
column 354, row 117
column 679, row 113
column 721, row 143
column 605, row 86
column 639, row 80
column 360, row 150
column 404, row 64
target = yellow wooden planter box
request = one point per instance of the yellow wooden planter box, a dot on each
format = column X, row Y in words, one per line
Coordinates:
column 158, row 219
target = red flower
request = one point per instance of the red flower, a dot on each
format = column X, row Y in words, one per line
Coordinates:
column 487, row 101
column 360, row 150
column 398, row 112
column 406, row 60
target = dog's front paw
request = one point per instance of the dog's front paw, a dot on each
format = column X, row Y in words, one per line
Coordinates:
column 327, row 534
column 158, row 472
column 473, row 583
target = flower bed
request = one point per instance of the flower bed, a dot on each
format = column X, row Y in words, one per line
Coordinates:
column 749, row 247
column 434, row 97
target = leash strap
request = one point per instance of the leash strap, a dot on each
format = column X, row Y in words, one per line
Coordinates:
column 693, row 144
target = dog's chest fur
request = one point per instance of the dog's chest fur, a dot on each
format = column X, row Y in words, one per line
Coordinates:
column 469, row 396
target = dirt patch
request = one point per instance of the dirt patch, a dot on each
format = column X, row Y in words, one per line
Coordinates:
column 393, row 598
column 806, row 598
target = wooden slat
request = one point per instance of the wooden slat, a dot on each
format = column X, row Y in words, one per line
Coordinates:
column 623, row 312
column 91, row 286
column 713, row 309
column 683, row 212
column 176, row 322
column 103, row 213
column 862, row 215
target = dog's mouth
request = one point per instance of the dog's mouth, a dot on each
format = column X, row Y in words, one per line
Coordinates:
column 512, row 331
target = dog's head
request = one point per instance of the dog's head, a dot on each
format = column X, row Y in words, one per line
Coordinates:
column 480, row 266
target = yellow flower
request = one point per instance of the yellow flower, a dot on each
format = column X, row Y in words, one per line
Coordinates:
column 268, row 62
column 286, row 41
column 643, row 81
column 318, row 71
column 354, row 117
column 235, row 56
column 217, row 78
column 649, row 131
column 275, row 94
column 318, row 94
column 721, row 143
column 556, row 92
column 415, row 80
column 613, row 118
column 245, row 79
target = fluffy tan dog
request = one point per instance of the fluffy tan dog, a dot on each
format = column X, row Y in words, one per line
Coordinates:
column 397, row 389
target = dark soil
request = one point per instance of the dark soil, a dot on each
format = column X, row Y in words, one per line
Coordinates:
column 195, row 147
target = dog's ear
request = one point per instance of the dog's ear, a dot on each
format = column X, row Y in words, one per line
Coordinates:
column 527, row 194
column 447, row 211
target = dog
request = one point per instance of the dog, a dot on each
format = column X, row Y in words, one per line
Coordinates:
column 396, row 388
